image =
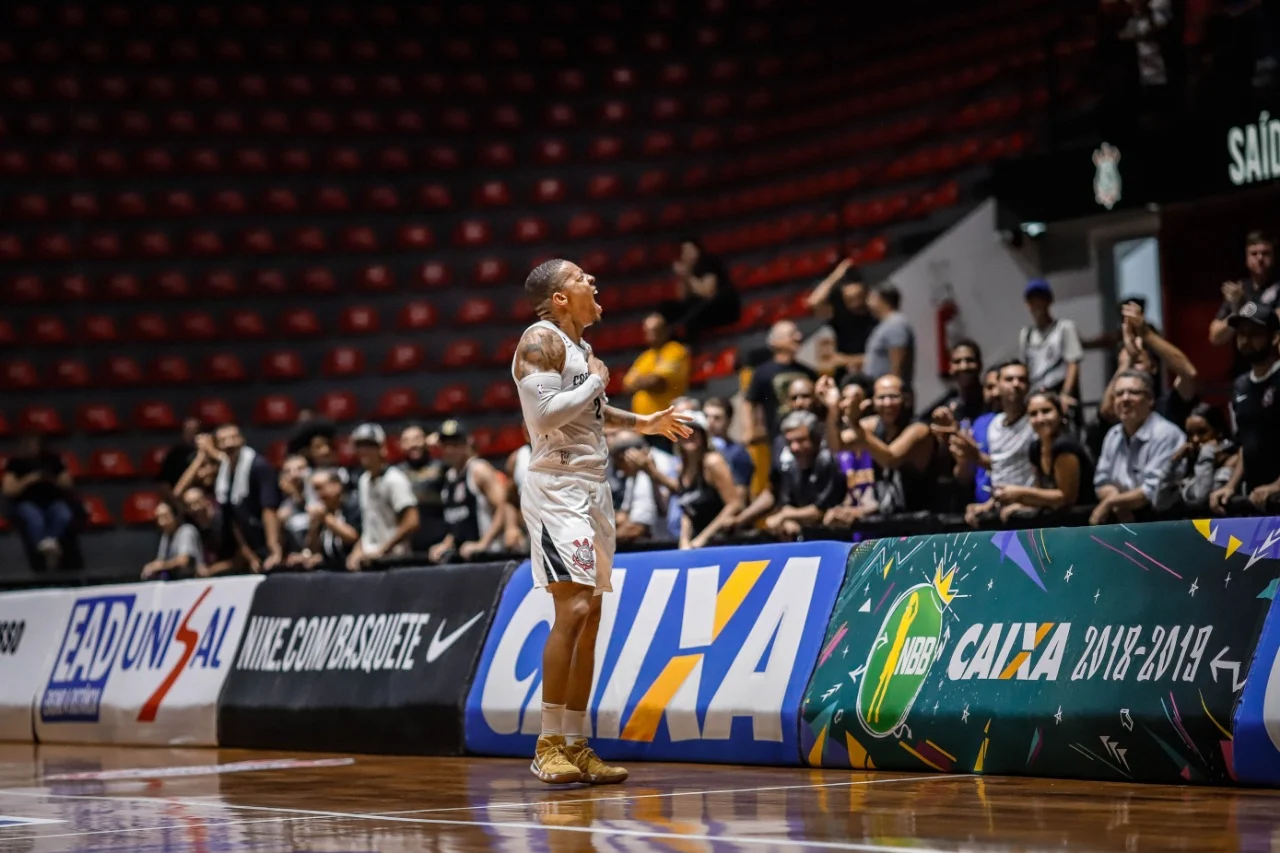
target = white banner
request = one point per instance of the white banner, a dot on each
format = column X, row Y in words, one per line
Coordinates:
column 143, row 663
column 30, row 627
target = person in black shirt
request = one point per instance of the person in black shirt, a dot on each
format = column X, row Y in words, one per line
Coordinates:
column 965, row 400
column 179, row 458
column 1063, row 469
column 705, row 295
column 1258, row 285
column 841, row 300
column 1255, row 404
column 803, row 484
column 769, row 382
column 427, row 476
column 248, row 490
column 38, row 486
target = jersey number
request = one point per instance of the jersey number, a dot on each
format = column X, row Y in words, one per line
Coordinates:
column 599, row 409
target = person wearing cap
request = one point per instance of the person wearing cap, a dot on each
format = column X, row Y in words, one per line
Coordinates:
column 1255, row 406
column 474, row 496
column 388, row 507
column 1049, row 347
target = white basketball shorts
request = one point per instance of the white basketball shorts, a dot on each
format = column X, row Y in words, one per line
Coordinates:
column 572, row 532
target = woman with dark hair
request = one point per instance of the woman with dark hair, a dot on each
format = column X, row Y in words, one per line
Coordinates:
column 705, row 295
column 708, row 498
column 907, row 469
column 1063, row 468
column 1201, row 465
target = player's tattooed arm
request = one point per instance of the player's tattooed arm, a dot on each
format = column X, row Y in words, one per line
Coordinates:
column 540, row 351
column 619, row 417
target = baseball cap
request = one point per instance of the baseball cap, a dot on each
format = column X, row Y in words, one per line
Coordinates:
column 1037, row 287
column 697, row 420
column 453, row 430
column 1259, row 313
column 369, row 434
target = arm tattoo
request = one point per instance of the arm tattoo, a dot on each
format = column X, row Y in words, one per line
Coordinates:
column 618, row 417
column 540, row 351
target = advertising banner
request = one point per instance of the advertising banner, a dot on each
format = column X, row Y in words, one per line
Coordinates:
column 701, row 655
column 375, row 662
column 1109, row 652
column 1257, row 724
column 142, row 663
column 30, row 628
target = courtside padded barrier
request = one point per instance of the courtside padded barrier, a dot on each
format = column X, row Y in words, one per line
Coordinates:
column 701, row 655
column 1257, row 722
column 376, row 662
column 140, row 663
column 31, row 626
column 1106, row 653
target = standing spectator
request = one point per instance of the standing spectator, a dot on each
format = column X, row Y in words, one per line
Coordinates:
column 841, row 300
column 1063, row 470
column 1135, row 454
column 803, row 485
column 705, row 295
column 388, row 507
column 249, row 492
column 1258, row 285
column 770, row 381
column 180, row 554
column 637, row 514
column 427, row 477
column 659, row 375
column 294, row 490
column 1202, row 466
column 38, row 486
column 891, row 347
column 719, row 414
column 1050, row 348
column 1255, row 405
column 1009, row 437
column 475, row 497
column 178, row 459
column 906, row 466
column 704, row 489
column 333, row 532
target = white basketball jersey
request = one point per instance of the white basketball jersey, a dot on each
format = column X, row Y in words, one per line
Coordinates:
column 578, row 447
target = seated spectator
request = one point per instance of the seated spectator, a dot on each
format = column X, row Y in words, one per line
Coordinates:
column 333, row 531
column 178, row 459
column 427, row 477
column 223, row 552
column 1050, row 347
column 1259, row 284
column 705, row 295
column 180, row 554
column 891, row 347
column 1009, row 437
column 981, row 433
column 803, row 485
column 1256, row 409
column 709, row 502
column 637, row 512
column 659, row 375
column 770, row 381
column 719, row 415
column 1063, row 469
column 475, row 498
column 965, row 400
column 1135, row 454
column 845, row 409
column 906, row 467
column 388, row 507
column 294, row 489
column 248, row 490
column 841, row 300
column 1202, row 465
column 38, row 487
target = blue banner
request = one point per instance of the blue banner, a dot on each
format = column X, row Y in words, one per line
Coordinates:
column 702, row 655
column 1257, row 724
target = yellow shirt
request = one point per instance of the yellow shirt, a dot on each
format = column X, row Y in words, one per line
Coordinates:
column 671, row 362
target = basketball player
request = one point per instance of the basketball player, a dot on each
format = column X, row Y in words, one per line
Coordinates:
column 567, row 504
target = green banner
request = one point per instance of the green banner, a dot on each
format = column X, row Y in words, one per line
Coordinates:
column 1108, row 652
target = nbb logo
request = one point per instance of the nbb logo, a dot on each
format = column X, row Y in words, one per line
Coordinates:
column 671, row 642
column 110, row 630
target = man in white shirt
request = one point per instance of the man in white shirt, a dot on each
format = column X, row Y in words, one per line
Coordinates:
column 388, row 507
column 1050, row 347
column 638, row 515
column 1009, row 438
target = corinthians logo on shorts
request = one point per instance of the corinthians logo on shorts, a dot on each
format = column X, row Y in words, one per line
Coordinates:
column 901, row 656
column 584, row 556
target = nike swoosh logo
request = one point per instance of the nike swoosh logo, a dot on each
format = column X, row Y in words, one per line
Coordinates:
column 439, row 645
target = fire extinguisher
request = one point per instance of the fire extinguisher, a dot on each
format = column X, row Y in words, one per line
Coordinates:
column 949, row 326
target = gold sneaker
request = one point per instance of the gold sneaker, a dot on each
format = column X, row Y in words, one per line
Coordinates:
column 551, row 764
column 593, row 769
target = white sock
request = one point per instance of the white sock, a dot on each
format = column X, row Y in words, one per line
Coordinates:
column 575, row 726
column 552, row 719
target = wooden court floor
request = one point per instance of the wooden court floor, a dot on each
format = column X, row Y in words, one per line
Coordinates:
column 126, row 799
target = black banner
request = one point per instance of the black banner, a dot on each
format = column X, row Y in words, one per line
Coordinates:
column 377, row 662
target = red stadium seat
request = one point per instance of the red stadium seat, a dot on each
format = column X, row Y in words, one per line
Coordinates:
column 462, row 353
column 275, row 410
column 19, row 376
column 552, row 152
column 268, row 281
column 140, row 508
column 171, row 370
column 26, row 288
column 197, row 326
column 220, row 283
column 224, row 367
column 70, row 373
column 472, row 232
column 309, row 240
column 111, row 465
column 416, row 316
column 476, row 311
column 97, row 417
column 500, row 396
column 213, row 411
column 403, row 358
column 343, row 361
column 603, row 186
column 359, row 320
column 397, row 404
column 122, row 287
column 150, row 327
column 153, row 460
column 96, row 513
column 435, row 197
column 246, row 324
column 338, row 406
column 44, row 419
column 490, row 272
column 317, row 281
column 282, row 366
column 155, row 414
column 121, row 371
column 359, row 239
column 375, row 278
column 530, row 229
column 300, row 322
column 415, row 237
column 451, row 399
column 434, row 274
column 584, row 225
column 48, row 331
column 507, row 440
column 171, row 285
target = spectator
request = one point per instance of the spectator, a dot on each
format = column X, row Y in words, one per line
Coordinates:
column 844, row 410
column 981, row 430
column 178, row 459
column 427, row 477
column 719, row 415
column 475, row 498
column 770, row 381
column 637, row 513
column 1258, row 285
column 388, row 507
column 222, row 550
column 38, row 486
column 906, row 468
column 333, row 531
column 1009, row 437
column 704, row 489
column 965, row 401
column 1063, row 470
column 1135, row 454
column 803, row 485
column 249, row 492
column 180, row 554
column 841, row 300
column 1202, row 465
column 202, row 472
column 891, row 347
column 294, row 489
column 659, row 375
column 1255, row 407
column 1050, row 348
column 705, row 295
